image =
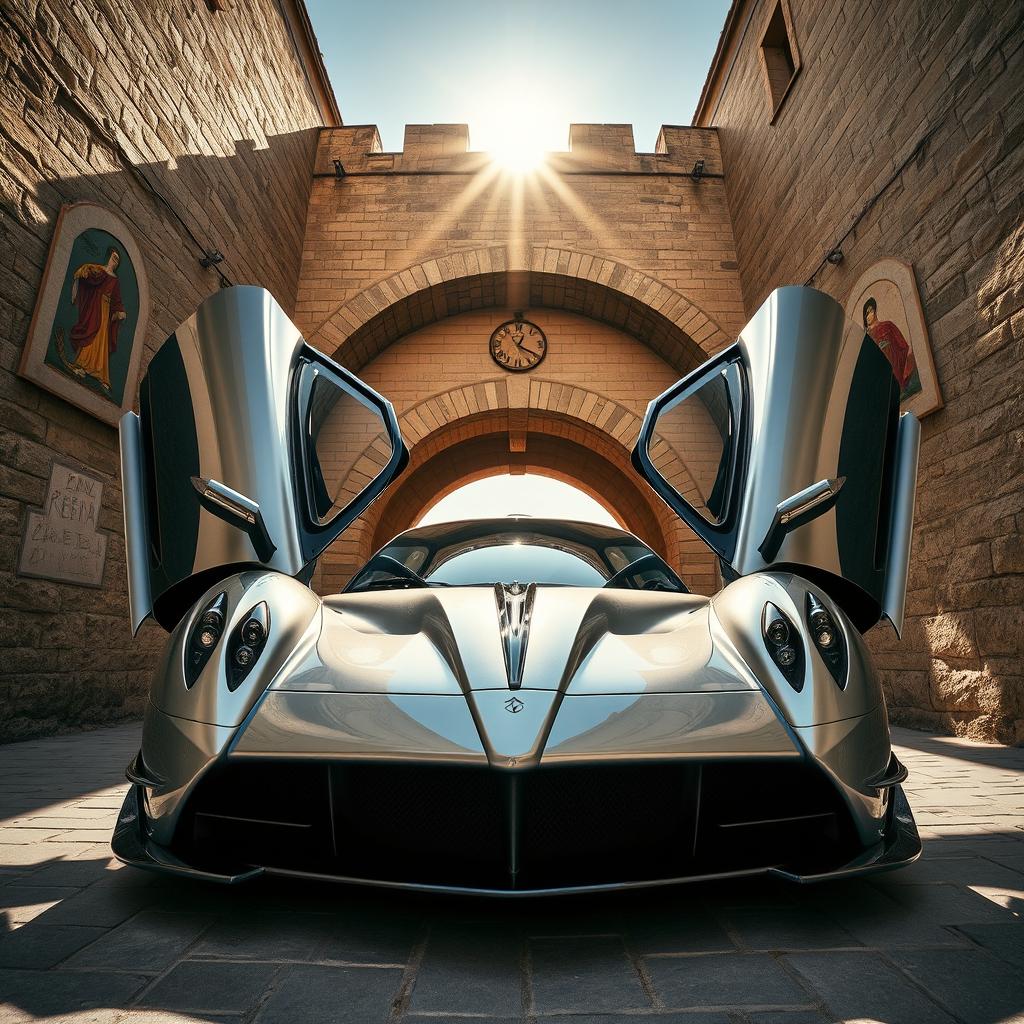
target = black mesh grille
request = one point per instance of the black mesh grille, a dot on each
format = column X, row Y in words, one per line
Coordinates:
column 542, row 828
column 429, row 823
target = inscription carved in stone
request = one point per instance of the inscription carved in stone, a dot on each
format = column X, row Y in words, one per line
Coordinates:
column 62, row 541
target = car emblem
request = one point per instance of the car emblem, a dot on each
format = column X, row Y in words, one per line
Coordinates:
column 514, row 705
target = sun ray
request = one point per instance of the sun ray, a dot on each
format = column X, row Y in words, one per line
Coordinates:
column 487, row 175
column 597, row 227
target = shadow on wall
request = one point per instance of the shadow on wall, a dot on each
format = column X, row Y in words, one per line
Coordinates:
column 69, row 659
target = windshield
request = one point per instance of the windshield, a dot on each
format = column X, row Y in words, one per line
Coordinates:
column 485, row 552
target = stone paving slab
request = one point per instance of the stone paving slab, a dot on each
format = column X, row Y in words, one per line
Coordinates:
column 87, row 941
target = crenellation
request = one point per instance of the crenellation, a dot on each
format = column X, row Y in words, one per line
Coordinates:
column 430, row 140
column 446, row 148
column 603, row 145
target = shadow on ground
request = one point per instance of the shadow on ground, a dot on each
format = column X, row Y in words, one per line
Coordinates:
column 920, row 944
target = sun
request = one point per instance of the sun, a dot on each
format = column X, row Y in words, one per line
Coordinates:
column 518, row 154
column 517, row 130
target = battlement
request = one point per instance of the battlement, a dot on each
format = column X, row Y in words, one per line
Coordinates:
column 445, row 148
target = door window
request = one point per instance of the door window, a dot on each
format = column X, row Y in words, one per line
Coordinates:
column 348, row 446
column 693, row 444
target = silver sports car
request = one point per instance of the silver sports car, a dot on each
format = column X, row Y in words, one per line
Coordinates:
column 517, row 706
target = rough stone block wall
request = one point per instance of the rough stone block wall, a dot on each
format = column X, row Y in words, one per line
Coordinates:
column 119, row 103
column 910, row 116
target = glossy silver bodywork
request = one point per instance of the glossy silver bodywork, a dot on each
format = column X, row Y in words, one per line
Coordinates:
column 133, row 491
column 908, row 446
column 516, row 681
column 238, row 352
column 417, row 677
column 819, row 407
column 219, row 429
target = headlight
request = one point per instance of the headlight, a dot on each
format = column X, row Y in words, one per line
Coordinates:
column 777, row 631
column 204, row 637
column 827, row 639
column 247, row 642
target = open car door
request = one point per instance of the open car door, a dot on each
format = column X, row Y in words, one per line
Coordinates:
column 787, row 451
column 250, row 449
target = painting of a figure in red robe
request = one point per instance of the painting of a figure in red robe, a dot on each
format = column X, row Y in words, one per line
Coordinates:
column 888, row 337
column 86, row 336
column 96, row 314
column 886, row 304
column 96, row 292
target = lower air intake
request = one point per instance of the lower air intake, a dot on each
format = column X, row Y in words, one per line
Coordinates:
column 545, row 828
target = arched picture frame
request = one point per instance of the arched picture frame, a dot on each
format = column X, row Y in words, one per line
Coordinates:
column 86, row 335
column 885, row 300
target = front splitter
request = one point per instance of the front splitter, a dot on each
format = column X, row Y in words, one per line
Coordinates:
column 900, row 846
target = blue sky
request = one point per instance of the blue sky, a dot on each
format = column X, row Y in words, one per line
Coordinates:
column 493, row 65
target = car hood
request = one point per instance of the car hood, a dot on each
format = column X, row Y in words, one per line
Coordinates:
column 575, row 640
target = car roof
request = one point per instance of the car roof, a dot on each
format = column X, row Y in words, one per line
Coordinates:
column 474, row 529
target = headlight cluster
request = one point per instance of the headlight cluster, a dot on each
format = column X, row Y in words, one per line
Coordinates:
column 786, row 644
column 827, row 638
column 783, row 643
column 203, row 639
column 247, row 642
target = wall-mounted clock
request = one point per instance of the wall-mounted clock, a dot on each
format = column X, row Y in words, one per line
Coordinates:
column 518, row 345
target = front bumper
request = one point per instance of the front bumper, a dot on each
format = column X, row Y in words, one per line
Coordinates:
column 899, row 845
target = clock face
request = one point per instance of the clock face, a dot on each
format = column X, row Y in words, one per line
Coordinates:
column 518, row 345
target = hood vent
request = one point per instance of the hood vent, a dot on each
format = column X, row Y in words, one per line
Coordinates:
column 515, row 608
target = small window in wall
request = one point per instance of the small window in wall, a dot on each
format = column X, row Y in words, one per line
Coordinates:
column 780, row 58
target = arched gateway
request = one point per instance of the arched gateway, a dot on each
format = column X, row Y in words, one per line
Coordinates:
column 616, row 338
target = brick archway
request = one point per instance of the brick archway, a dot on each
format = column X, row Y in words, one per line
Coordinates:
column 540, row 276
column 566, row 432
column 569, row 425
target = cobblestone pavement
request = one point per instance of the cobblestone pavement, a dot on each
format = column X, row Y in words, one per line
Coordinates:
column 86, row 940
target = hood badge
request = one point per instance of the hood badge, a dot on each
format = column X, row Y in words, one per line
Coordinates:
column 514, row 705
column 515, row 609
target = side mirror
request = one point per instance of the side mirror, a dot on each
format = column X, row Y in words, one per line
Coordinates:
column 798, row 509
column 238, row 510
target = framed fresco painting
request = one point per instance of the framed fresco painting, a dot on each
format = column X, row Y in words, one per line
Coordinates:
column 885, row 300
column 86, row 336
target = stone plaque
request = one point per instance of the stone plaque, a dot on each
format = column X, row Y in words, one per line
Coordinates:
column 62, row 541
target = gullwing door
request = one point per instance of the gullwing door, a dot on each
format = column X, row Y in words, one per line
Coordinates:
column 787, row 451
column 250, row 448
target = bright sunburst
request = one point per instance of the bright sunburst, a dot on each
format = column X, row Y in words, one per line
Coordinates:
column 518, row 154
column 518, row 129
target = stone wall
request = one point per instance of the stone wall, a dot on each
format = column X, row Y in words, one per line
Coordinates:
column 425, row 212
column 906, row 121
column 200, row 128
column 411, row 259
